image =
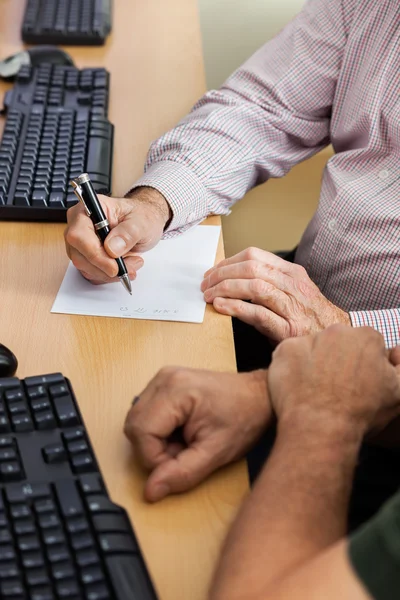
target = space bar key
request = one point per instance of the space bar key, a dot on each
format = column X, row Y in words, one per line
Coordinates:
column 99, row 156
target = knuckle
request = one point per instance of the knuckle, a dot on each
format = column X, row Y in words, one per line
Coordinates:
column 258, row 287
column 300, row 271
column 251, row 253
column 72, row 237
column 252, row 268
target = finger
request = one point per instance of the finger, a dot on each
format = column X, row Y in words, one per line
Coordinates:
column 256, row 290
column 248, row 270
column 266, row 321
column 95, row 275
column 254, row 254
column 181, row 473
column 122, row 238
column 80, row 236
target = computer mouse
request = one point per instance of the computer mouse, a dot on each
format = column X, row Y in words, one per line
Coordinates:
column 8, row 362
column 10, row 66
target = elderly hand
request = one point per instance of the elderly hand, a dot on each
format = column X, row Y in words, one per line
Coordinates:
column 284, row 302
column 137, row 225
column 220, row 415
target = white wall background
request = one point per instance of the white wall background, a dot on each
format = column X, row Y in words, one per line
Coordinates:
column 233, row 29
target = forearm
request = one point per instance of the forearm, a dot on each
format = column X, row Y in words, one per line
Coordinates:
column 297, row 509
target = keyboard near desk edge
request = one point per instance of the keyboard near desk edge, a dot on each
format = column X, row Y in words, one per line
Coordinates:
column 61, row 536
column 56, row 128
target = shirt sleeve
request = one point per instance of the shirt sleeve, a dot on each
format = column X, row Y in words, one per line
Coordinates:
column 272, row 113
column 374, row 552
column 387, row 322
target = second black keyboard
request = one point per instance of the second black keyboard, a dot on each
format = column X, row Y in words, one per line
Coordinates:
column 61, row 536
column 56, row 129
column 82, row 22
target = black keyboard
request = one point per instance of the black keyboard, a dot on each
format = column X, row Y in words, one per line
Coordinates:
column 56, row 129
column 60, row 534
column 75, row 22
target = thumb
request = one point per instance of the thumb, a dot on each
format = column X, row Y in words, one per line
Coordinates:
column 181, row 473
column 122, row 239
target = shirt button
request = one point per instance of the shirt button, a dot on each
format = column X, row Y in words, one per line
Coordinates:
column 384, row 174
column 332, row 224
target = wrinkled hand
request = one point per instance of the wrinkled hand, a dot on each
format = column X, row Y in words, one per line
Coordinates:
column 221, row 415
column 137, row 224
column 284, row 302
column 339, row 375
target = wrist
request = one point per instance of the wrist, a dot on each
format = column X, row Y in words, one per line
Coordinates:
column 155, row 199
column 257, row 384
column 338, row 435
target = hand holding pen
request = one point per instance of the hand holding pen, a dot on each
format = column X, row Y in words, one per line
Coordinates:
column 84, row 191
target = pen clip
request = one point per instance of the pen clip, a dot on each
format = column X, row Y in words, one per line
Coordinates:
column 78, row 193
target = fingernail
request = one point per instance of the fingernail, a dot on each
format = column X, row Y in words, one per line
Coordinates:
column 160, row 490
column 207, row 295
column 117, row 245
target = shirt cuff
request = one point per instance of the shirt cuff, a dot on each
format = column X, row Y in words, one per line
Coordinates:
column 387, row 322
column 183, row 190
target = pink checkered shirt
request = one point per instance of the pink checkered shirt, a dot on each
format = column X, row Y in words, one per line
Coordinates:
column 331, row 76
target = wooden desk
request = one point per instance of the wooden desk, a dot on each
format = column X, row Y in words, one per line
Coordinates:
column 154, row 56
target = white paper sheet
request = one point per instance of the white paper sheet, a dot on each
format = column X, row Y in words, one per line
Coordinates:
column 167, row 287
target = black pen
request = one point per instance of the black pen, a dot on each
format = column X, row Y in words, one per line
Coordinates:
column 84, row 191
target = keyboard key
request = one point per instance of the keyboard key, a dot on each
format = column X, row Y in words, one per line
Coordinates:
column 87, row 558
column 62, row 571
column 32, row 560
column 54, row 453
column 77, row 447
column 53, row 537
column 24, row 526
column 43, row 593
column 91, row 575
column 14, row 396
column 82, row 463
column 22, row 423
column 4, row 424
column 8, row 553
column 81, row 541
column 20, row 492
column 117, row 543
column 44, row 506
column 104, row 523
column 101, row 504
column 12, row 590
column 67, row 589
column 97, row 592
column 69, row 499
column 7, row 454
column 10, row 471
column 45, row 420
column 5, row 536
column 8, row 570
column 43, row 380
column 57, row 554
column 77, row 525
column 37, row 577
column 28, row 543
column 49, row 521
column 91, row 484
column 20, row 511
column 74, row 434
column 65, row 411
column 37, row 391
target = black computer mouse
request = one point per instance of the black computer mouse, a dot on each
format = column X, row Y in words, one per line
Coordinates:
column 10, row 66
column 8, row 362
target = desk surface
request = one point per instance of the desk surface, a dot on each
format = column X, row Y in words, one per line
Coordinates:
column 154, row 56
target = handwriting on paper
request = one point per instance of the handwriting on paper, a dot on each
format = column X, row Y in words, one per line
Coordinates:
column 142, row 311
